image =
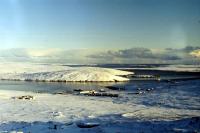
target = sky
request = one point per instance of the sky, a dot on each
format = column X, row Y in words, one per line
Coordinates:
column 43, row 27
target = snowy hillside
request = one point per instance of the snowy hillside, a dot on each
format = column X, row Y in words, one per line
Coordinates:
column 38, row 72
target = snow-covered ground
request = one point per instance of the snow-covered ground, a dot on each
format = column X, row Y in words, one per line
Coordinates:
column 38, row 72
column 46, row 111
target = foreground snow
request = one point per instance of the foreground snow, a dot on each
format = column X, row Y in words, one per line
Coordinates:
column 37, row 72
column 64, row 111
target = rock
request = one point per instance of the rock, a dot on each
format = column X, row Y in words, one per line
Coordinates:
column 142, row 91
column 149, row 89
column 26, row 97
column 13, row 132
column 68, row 124
column 144, row 76
column 77, row 90
column 139, row 92
column 57, row 114
column 194, row 120
column 54, row 125
column 88, row 92
column 96, row 93
column 107, row 94
column 87, row 125
column 115, row 88
column 102, row 90
column 171, row 81
column 62, row 93
column 129, row 76
column 128, row 115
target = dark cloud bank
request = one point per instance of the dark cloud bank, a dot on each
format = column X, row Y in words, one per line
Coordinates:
column 87, row 56
column 142, row 53
column 145, row 55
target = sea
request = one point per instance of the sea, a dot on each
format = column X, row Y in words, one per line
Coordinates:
column 173, row 89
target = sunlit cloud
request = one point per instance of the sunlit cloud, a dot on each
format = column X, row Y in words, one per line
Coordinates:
column 42, row 52
column 196, row 53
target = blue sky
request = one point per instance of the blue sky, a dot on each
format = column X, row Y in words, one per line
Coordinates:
column 99, row 24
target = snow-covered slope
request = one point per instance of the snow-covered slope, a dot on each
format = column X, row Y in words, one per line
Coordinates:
column 29, row 68
column 38, row 72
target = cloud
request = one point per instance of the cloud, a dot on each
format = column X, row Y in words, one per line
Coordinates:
column 187, row 55
column 42, row 52
column 190, row 49
column 146, row 56
column 143, row 53
column 195, row 53
column 71, row 56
